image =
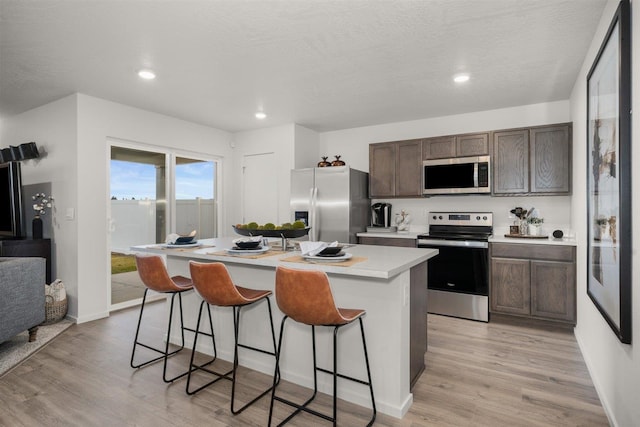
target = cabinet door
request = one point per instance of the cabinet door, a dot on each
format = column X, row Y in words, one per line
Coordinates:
column 442, row 147
column 553, row 290
column 382, row 170
column 472, row 145
column 511, row 162
column 510, row 286
column 550, row 158
column 409, row 168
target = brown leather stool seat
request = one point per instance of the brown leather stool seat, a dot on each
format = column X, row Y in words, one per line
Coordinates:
column 305, row 296
column 213, row 283
column 155, row 277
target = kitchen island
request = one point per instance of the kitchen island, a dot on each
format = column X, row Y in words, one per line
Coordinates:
column 388, row 282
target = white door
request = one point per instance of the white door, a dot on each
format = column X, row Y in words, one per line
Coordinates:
column 260, row 188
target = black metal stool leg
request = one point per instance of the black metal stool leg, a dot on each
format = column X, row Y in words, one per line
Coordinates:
column 236, row 319
column 193, row 367
column 166, row 347
column 335, row 374
column 135, row 340
column 302, row 406
column 276, row 370
column 366, row 360
column 164, row 354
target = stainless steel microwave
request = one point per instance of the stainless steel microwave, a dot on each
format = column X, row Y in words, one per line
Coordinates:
column 461, row 175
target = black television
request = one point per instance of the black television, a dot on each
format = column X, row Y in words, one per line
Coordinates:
column 10, row 200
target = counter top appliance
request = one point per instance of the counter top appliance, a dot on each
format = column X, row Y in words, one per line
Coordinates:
column 458, row 278
column 381, row 218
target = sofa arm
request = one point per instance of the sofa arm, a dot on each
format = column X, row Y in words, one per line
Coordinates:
column 22, row 283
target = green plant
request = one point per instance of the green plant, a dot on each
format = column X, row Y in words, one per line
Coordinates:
column 535, row 221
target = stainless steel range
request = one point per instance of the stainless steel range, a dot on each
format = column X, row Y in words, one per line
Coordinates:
column 458, row 282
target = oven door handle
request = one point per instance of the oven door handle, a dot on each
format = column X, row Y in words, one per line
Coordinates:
column 454, row 243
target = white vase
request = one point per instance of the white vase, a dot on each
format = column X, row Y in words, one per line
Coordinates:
column 535, row 229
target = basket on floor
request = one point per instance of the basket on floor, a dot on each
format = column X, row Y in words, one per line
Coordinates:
column 54, row 311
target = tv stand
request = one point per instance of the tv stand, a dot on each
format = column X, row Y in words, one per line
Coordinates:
column 22, row 247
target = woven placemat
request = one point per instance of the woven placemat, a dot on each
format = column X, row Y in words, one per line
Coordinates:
column 347, row 263
column 192, row 248
column 250, row 256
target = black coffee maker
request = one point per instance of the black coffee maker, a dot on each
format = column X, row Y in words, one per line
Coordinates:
column 381, row 215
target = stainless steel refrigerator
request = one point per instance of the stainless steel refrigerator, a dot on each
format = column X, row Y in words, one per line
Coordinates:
column 333, row 201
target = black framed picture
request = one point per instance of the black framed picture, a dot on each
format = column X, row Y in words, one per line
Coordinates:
column 609, row 176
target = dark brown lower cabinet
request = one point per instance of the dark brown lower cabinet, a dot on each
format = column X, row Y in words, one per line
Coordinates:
column 510, row 286
column 535, row 281
column 387, row 241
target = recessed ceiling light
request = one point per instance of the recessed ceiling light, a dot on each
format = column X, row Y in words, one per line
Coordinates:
column 260, row 115
column 461, row 78
column 146, row 74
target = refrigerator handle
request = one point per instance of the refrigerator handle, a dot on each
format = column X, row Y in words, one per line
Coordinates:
column 313, row 220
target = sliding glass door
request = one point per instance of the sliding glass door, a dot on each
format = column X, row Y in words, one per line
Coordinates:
column 155, row 193
column 195, row 201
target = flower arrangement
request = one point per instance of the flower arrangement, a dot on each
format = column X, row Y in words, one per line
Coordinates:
column 41, row 203
column 535, row 220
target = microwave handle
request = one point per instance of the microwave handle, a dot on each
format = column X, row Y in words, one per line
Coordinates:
column 475, row 174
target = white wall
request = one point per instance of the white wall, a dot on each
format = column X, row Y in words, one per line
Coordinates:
column 54, row 128
column 279, row 140
column 305, row 148
column 353, row 145
column 614, row 367
column 99, row 120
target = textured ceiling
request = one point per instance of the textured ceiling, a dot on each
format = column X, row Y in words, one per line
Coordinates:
column 326, row 65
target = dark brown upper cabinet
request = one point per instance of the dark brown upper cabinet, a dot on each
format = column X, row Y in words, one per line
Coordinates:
column 395, row 169
column 532, row 161
column 511, row 162
column 443, row 147
column 475, row 144
column 550, row 159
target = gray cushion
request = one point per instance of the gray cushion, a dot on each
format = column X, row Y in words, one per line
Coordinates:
column 22, row 283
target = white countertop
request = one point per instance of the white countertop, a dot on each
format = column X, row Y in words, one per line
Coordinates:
column 396, row 235
column 382, row 261
column 550, row 240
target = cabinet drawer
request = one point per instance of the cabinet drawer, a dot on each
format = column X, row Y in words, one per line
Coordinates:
column 542, row 252
column 387, row 241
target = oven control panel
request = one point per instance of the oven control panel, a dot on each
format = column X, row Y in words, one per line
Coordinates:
column 461, row 218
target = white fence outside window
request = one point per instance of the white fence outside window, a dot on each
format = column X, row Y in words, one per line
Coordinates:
column 134, row 221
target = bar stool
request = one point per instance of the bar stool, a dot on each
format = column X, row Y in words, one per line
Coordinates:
column 213, row 283
column 305, row 296
column 154, row 275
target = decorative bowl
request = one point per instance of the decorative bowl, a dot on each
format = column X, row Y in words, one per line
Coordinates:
column 288, row 234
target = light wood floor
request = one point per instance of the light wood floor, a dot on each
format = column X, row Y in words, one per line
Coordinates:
column 477, row 374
